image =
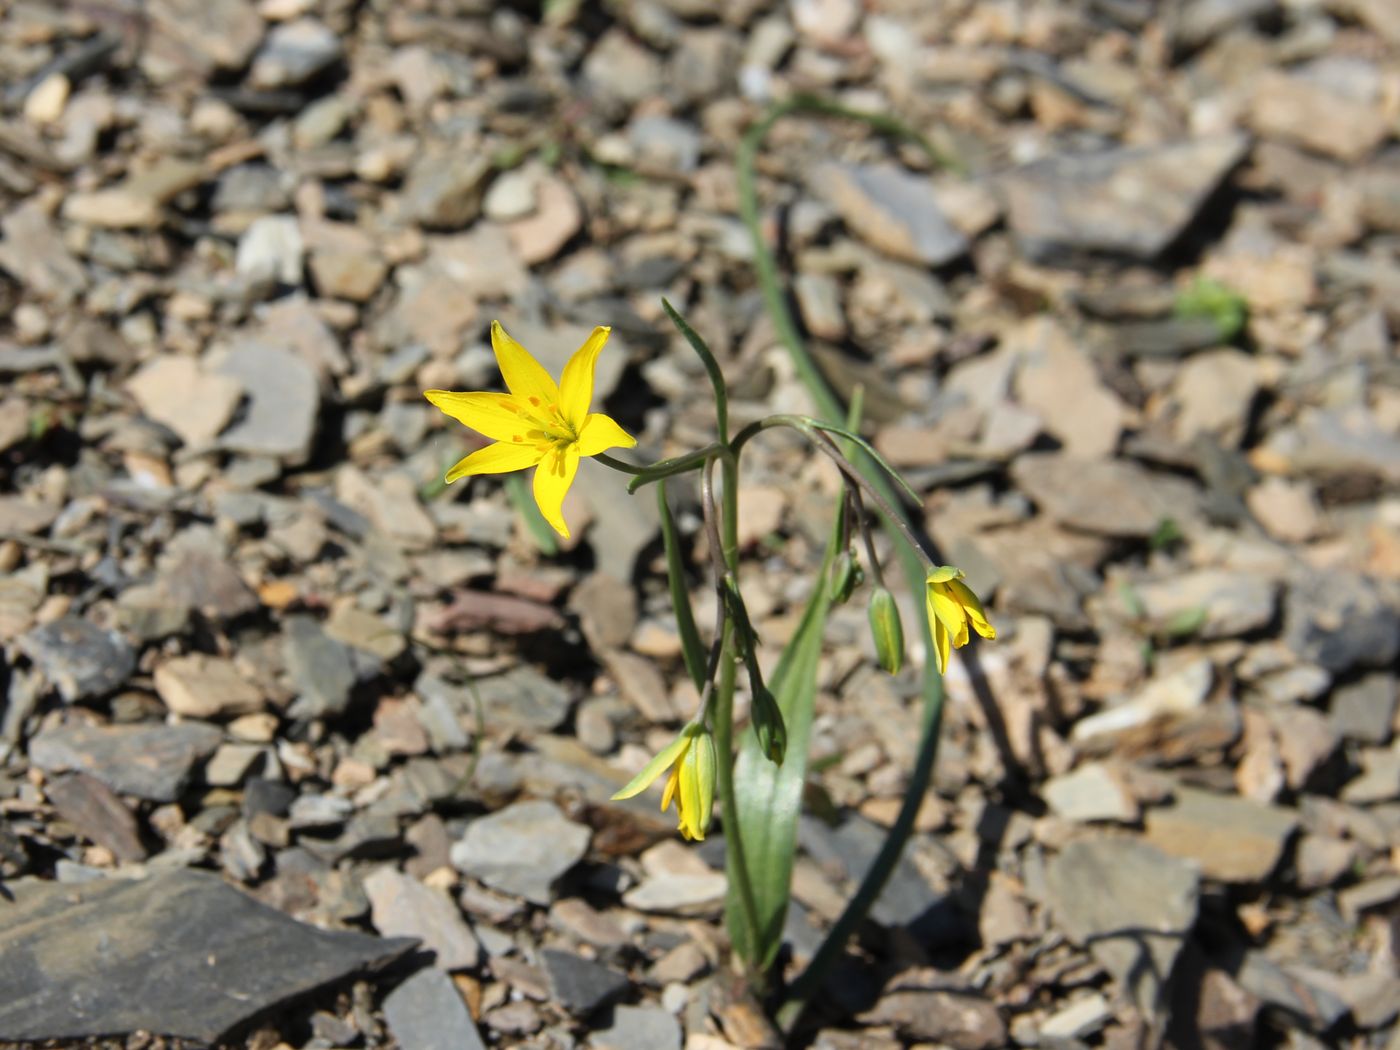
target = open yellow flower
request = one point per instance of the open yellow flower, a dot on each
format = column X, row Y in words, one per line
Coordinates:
column 537, row 424
column 951, row 607
column 691, row 760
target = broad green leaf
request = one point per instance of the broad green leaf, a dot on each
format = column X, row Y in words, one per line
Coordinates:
column 768, row 797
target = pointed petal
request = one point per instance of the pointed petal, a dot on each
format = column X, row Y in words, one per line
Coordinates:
column 553, row 477
column 576, row 384
column 949, row 612
column 669, row 792
column 494, row 415
column 690, row 797
column 664, row 759
column 941, row 646
column 499, row 458
column 601, row 433
column 525, row 377
column 705, row 770
column 972, row 606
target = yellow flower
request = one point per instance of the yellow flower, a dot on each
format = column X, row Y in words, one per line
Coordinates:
column 951, row 607
column 537, row 424
column 691, row 760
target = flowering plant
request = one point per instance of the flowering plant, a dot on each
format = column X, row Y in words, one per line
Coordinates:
column 759, row 776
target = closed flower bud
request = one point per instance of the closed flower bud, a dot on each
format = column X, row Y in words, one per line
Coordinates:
column 886, row 629
column 845, row 577
column 768, row 725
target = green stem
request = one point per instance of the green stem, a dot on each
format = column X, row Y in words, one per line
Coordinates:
column 724, row 538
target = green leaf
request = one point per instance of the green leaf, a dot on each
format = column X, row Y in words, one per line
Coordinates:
column 691, row 647
column 768, row 797
column 702, row 350
column 1186, row 622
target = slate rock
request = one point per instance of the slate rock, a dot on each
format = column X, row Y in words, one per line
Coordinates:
column 194, row 573
column 1232, row 839
column 293, row 53
column 581, row 985
column 893, row 210
column 80, row 659
column 1341, row 620
column 1229, row 603
column 97, row 814
column 203, row 686
column 956, row 1019
column 401, row 906
column 1289, row 992
column 152, row 762
column 178, row 393
column 180, row 954
column 1364, row 710
column 638, row 1028
column 426, row 1012
column 1133, row 201
column 1130, row 904
column 284, row 402
column 522, row 849
column 1106, row 497
column 445, row 192
column 1094, row 791
column 320, row 666
column 523, row 698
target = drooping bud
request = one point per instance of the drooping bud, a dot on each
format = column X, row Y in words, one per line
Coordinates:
column 846, row 576
column 887, row 630
column 768, row 725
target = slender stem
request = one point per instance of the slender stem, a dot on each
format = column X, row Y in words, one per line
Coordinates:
column 724, row 691
column 863, row 523
column 626, row 468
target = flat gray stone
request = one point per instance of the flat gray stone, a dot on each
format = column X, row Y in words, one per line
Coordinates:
column 1340, row 620
column 1106, row 497
column 891, row 209
column 1132, row 201
column 80, row 659
column 401, row 906
column 283, row 402
column 153, row 762
column 522, row 850
column 1130, row 904
column 1365, row 710
column 320, row 666
column 293, row 53
column 581, row 985
column 1224, row 603
column 1233, row 839
column 639, row 1028
column 523, row 698
column 426, row 1012
column 178, row 954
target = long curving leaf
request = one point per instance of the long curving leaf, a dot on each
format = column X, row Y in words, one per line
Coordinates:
column 768, row 796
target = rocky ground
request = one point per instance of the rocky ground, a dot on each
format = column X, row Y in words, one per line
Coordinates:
column 1138, row 349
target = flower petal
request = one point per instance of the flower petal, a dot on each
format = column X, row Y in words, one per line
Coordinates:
column 553, row 477
column 689, row 809
column 669, row 792
column 497, row 416
column 525, row 377
column 972, row 606
column 944, row 573
column 653, row 769
column 499, row 458
column 949, row 612
column 576, row 384
column 600, row 433
column 941, row 646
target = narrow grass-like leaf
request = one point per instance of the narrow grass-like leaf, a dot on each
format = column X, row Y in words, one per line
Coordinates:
column 702, row 350
column 767, row 796
column 692, row 649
